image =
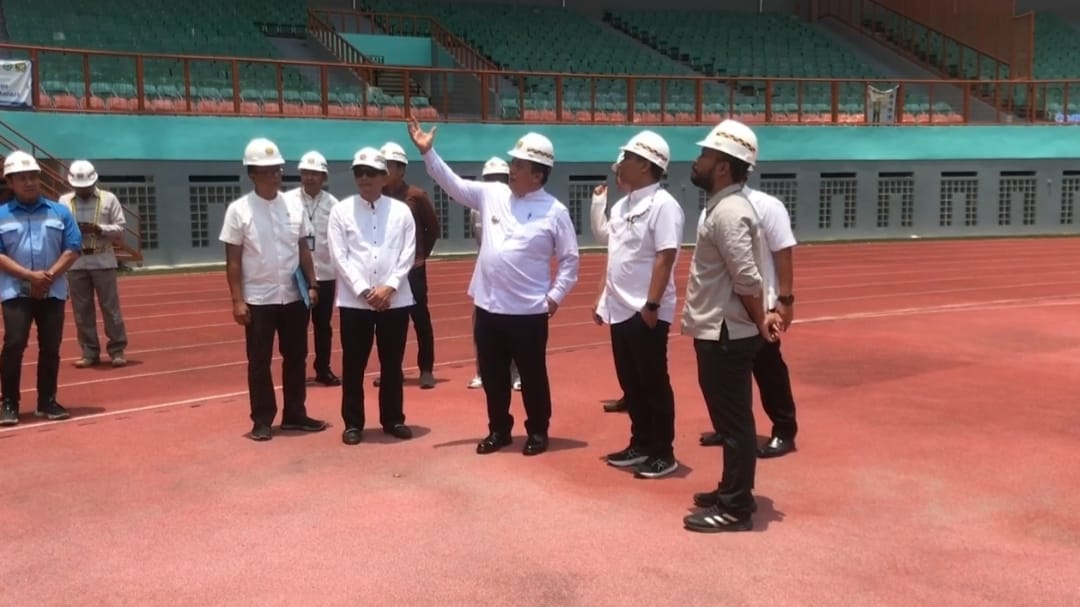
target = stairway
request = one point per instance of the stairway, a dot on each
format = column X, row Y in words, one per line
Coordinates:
column 53, row 184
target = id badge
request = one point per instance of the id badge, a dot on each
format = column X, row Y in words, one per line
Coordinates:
column 310, row 242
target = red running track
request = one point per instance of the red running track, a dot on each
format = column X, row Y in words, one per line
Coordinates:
column 937, row 462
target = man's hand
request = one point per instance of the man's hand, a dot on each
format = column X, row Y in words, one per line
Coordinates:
column 771, row 326
column 313, row 295
column 40, row 280
column 552, row 307
column 650, row 317
column 595, row 311
column 89, row 228
column 787, row 313
column 241, row 313
column 423, row 141
column 379, row 297
column 600, row 190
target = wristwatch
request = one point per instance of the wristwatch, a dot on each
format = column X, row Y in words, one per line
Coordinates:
column 787, row 300
column 652, row 306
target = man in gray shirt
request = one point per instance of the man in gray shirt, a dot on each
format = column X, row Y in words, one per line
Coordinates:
column 726, row 315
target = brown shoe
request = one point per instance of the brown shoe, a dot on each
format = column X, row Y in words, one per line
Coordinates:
column 85, row 362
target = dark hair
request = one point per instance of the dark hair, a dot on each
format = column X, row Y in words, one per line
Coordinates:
column 543, row 169
column 740, row 169
column 657, row 172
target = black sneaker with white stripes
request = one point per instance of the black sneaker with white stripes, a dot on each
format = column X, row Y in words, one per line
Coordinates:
column 630, row 456
column 656, row 467
column 51, row 411
column 716, row 520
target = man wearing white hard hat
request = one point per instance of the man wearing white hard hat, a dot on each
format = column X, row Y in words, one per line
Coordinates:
column 39, row 240
column 725, row 313
column 272, row 282
column 427, row 233
column 512, row 288
column 101, row 221
column 495, row 171
column 600, row 213
column 317, row 203
column 373, row 247
column 637, row 302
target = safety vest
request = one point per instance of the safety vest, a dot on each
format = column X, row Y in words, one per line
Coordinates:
column 97, row 217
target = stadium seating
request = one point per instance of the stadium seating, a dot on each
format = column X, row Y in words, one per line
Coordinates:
column 196, row 27
column 758, row 45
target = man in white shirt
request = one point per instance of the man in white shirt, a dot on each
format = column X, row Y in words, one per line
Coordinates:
column 373, row 247
column 265, row 236
column 495, row 171
column 770, row 370
column 101, row 222
column 512, row 287
column 637, row 300
column 726, row 315
column 317, row 203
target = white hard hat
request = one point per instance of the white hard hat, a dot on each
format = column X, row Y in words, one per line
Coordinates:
column 82, row 174
column 534, row 147
column 495, row 166
column 393, row 151
column 20, row 162
column 651, row 147
column 370, row 157
column 734, row 139
column 262, row 152
column 615, row 167
column 313, row 161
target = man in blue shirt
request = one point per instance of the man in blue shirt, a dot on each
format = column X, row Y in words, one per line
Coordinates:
column 39, row 240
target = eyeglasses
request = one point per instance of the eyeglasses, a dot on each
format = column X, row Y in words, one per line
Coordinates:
column 366, row 172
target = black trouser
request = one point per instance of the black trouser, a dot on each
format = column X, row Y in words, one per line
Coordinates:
column 389, row 329
column 641, row 366
column 725, row 369
column 522, row 339
column 421, row 318
column 19, row 313
column 321, row 316
column 289, row 322
column 774, row 388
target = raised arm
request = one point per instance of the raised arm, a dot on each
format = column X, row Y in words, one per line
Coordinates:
column 466, row 192
column 598, row 215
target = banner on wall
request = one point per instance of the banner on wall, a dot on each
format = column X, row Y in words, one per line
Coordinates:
column 15, row 84
column 880, row 105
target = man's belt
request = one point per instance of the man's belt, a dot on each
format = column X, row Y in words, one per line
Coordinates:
column 89, row 251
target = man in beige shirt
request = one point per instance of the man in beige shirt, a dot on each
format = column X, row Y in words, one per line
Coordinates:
column 726, row 315
column 101, row 221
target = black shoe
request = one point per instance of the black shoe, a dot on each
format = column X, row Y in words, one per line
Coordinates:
column 709, row 499
column 712, row 439
column 377, row 382
column 657, row 467
column 399, row 431
column 9, row 413
column 351, row 436
column 716, row 520
column 427, row 380
column 493, row 443
column 536, row 444
column 304, row 424
column 261, row 432
column 615, row 407
column 327, row 378
column 630, row 456
column 776, row 447
column 52, row 411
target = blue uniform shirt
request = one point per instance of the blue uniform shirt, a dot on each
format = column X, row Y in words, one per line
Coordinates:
column 35, row 236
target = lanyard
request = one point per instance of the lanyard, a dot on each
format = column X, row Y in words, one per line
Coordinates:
column 311, row 213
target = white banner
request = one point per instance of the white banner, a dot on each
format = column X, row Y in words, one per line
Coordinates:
column 15, row 83
column 880, row 105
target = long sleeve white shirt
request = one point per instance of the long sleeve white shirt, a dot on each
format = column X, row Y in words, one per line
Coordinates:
column 598, row 219
column 520, row 236
column 317, row 210
column 372, row 245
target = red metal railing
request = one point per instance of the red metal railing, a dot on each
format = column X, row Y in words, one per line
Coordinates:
column 70, row 80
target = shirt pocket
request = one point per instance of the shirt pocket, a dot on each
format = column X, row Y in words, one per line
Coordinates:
column 10, row 235
column 54, row 232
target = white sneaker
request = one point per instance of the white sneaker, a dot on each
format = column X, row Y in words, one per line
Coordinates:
column 517, row 384
column 476, row 383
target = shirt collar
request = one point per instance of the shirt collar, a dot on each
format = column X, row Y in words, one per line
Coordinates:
column 717, row 197
column 371, row 205
column 304, row 196
column 29, row 208
column 641, row 194
column 399, row 192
